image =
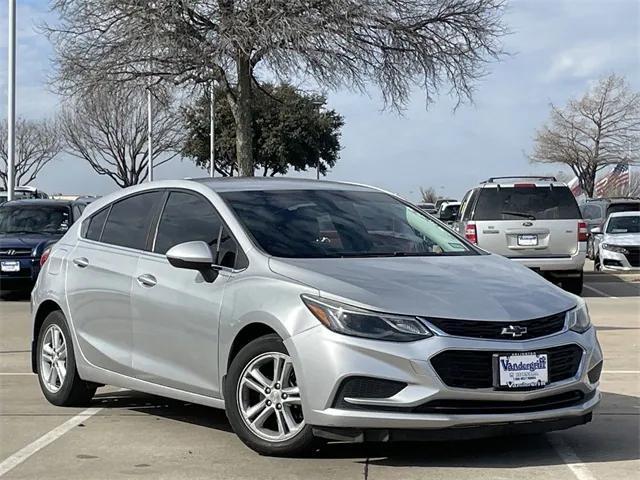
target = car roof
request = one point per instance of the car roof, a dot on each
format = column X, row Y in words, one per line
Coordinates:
column 239, row 184
column 38, row 201
column 625, row 214
column 613, row 200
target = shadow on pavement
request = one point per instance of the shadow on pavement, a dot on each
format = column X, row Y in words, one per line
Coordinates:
column 605, row 442
column 163, row 407
column 612, row 285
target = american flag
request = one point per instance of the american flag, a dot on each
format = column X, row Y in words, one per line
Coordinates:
column 575, row 187
column 617, row 177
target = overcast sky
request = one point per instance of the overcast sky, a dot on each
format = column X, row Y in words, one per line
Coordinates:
column 559, row 48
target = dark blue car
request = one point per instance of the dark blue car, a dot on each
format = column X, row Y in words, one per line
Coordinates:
column 27, row 229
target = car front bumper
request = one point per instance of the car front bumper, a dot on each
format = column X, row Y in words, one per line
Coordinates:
column 323, row 359
column 25, row 278
column 614, row 261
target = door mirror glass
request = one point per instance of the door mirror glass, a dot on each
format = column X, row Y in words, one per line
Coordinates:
column 191, row 255
column 596, row 230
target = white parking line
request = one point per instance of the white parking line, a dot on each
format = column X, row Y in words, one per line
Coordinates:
column 600, row 292
column 571, row 460
column 24, row 453
column 16, row 373
column 629, row 372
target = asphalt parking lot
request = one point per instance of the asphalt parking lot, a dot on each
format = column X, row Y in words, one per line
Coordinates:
column 126, row 434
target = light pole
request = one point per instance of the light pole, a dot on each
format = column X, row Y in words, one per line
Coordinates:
column 212, row 131
column 150, row 134
column 11, row 102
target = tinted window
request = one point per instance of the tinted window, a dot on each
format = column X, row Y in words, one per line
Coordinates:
column 324, row 223
column 591, row 211
column 470, row 205
column 538, row 203
column 187, row 217
column 96, row 222
column 129, row 219
column 623, row 207
column 34, row 219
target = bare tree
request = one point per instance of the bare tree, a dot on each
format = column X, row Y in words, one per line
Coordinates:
column 599, row 129
column 37, row 143
column 395, row 45
column 108, row 129
column 428, row 194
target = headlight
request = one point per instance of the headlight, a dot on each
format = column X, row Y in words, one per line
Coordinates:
column 615, row 248
column 578, row 319
column 357, row 322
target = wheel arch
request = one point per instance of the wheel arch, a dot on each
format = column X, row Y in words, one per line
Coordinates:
column 245, row 335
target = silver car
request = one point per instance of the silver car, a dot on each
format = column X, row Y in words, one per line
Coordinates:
column 308, row 310
column 534, row 221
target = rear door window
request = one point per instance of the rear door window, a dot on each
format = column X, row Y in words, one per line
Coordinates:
column 535, row 203
column 129, row 220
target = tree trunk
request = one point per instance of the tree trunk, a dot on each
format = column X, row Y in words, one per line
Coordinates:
column 244, row 117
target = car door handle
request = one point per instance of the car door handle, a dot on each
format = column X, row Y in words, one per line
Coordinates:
column 147, row 280
column 81, row 262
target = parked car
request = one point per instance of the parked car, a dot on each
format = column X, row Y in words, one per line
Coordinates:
column 449, row 212
column 596, row 210
column 21, row 193
column 534, row 221
column 440, row 201
column 27, row 229
column 617, row 244
column 428, row 207
column 271, row 298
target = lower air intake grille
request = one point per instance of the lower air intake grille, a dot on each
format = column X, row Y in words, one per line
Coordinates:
column 365, row 387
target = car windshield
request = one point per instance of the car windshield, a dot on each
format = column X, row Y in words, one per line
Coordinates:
column 626, row 224
column 333, row 223
column 33, row 219
column 534, row 203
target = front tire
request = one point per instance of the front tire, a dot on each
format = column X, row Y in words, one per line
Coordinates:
column 56, row 365
column 262, row 400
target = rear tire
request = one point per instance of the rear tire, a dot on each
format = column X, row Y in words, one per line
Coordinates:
column 574, row 284
column 597, row 265
column 56, row 365
column 271, row 436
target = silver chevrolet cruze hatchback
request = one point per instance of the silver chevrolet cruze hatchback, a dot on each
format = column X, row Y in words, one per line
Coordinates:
column 308, row 310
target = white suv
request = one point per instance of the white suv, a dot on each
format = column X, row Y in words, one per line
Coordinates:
column 532, row 220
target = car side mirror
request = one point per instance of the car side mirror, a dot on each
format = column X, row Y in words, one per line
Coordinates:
column 194, row 256
column 596, row 231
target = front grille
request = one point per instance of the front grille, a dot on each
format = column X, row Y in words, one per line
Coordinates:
column 15, row 252
column 539, row 327
column 472, row 407
column 633, row 257
column 365, row 387
column 474, row 369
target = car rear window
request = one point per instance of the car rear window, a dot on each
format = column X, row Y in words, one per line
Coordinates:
column 535, row 203
column 623, row 207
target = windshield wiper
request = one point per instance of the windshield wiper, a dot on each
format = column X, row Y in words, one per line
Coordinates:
column 386, row 254
column 518, row 214
column 19, row 231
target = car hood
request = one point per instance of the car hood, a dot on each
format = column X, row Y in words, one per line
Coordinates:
column 622, row 238
column 483, row 287
column 26, row 240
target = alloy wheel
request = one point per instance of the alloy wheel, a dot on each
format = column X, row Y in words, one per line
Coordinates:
column 53, row 359
column 269, row 397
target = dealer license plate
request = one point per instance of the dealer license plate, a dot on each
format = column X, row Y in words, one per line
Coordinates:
column 10, row 266
column 528, row 240
column 521, row 370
